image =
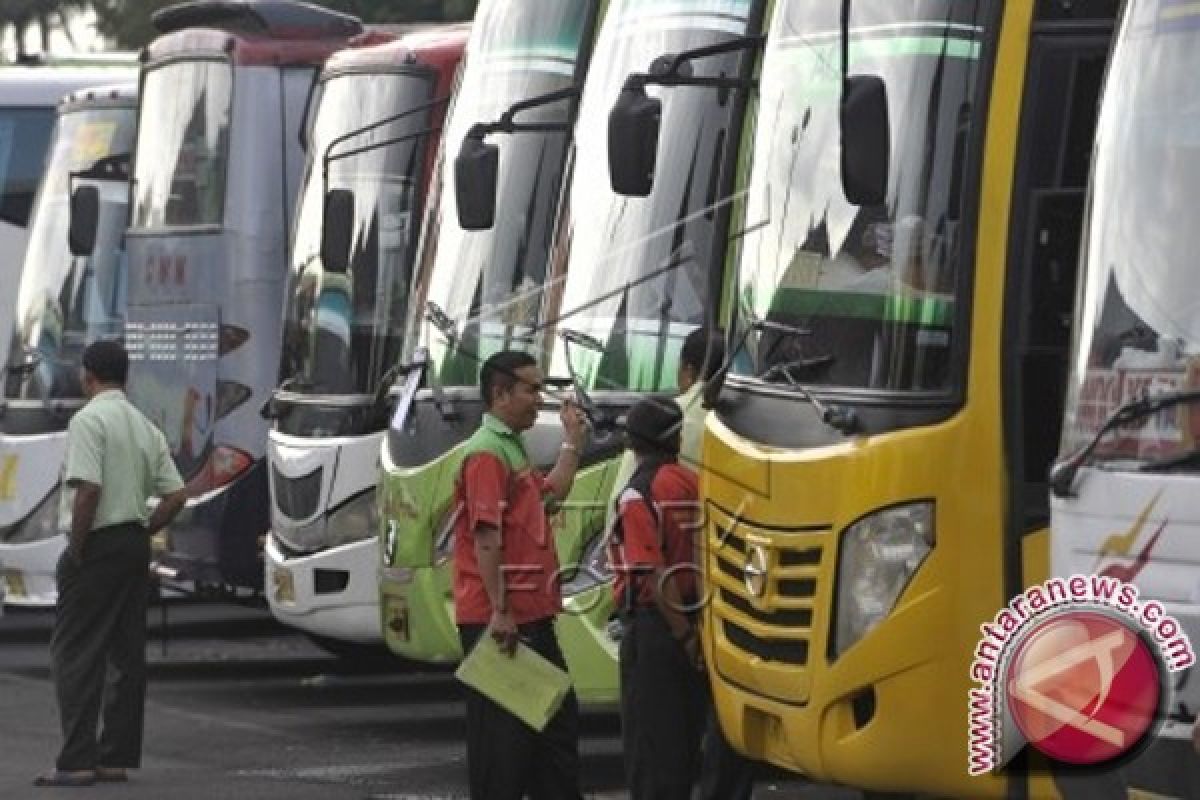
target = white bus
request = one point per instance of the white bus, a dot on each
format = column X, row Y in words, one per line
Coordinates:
column 28, row 98
column 70, row 294
column 1126, row 488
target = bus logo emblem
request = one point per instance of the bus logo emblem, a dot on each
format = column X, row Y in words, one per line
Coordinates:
column 755, row 573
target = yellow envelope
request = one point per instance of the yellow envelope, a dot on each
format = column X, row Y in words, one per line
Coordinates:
column 526, row 684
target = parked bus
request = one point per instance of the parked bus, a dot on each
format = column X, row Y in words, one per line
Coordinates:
column 901, row 289
column 1123, row 500
column 520, row 50
column 612, row 256
column 372, row 147
column 224, row 91
column 29, row 96
column 71, row 292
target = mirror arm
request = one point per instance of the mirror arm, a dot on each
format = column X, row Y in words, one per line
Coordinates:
column 667, row 70
column 845, row 43
column 507, row 123
column 385, row 121
column 366, row 148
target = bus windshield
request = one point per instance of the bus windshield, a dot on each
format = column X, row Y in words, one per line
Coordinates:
column 1137, row 330
column 65, row 302
column 639, row 269
column 24, row 134
column 873, row 286
column 182, row 150
column 491, row 282
column 342, row 329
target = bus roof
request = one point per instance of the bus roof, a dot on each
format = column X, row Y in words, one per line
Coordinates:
column 118, row 95
column 47, row 85
column 251, row 32
column 434, row 46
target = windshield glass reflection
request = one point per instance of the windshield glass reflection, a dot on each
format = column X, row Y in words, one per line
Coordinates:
column 343, row 327
column 1138, row 331
column 491, row 283
column 639, row 269
column 65, row 302
column 874, row 285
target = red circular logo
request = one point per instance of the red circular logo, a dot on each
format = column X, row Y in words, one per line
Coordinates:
column 1083, row 687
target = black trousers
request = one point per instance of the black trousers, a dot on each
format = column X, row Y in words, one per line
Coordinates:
column 98, row 649
column 725, row 774
column 508, row 760
column 663, row 705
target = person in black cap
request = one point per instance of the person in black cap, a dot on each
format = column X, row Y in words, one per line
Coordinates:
column 652, row 551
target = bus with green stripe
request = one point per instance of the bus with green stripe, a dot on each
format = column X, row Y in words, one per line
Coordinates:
column 519, row 51
column 875, row 454
column 624, row 281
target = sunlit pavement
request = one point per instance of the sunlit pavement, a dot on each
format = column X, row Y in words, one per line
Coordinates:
column 240, row 707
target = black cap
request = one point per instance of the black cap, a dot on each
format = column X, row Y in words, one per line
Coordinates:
column 654, row 424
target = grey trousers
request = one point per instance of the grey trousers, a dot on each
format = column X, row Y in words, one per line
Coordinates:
column 98, row 649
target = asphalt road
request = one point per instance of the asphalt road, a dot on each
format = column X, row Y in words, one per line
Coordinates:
column 240, row 707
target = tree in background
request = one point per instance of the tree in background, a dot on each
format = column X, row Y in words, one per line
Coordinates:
column 42, row 15
column 126, row 23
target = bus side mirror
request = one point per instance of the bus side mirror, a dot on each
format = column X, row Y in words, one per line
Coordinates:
column 85, row 215
column 336, row 229
column 866, row 140
column 633, row 129
column 476, row 172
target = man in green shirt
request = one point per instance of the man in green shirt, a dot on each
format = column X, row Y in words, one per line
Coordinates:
column 116, row 461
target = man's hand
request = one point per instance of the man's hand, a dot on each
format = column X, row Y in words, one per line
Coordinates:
column 504, row 631
column 574, row 423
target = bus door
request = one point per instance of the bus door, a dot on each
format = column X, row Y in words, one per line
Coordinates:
column 1063, row 80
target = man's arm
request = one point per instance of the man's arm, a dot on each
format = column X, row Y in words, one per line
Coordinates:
column 489, row 555
column 485, row 492
column 168, row 485
column 167, row 509
column 562, row 476
column 83, row 516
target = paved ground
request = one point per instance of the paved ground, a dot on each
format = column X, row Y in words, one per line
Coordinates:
column 240, row 707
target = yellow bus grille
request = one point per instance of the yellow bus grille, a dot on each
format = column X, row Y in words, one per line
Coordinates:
column 765, row 601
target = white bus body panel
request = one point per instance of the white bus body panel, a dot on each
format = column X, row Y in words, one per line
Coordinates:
column 1145, row 529
column 349, row 466
column 31, row 467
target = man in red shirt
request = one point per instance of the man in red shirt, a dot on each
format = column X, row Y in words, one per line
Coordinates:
column 662, row 690
column 505, row 580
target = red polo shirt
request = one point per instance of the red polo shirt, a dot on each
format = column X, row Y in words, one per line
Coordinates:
column 490, row 492
column 664, row 543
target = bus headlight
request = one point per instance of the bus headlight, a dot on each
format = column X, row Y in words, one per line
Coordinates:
column 353, row 521
column 42, row 523
column 878, row 556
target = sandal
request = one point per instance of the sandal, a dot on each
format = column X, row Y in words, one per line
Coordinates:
column 60, row 777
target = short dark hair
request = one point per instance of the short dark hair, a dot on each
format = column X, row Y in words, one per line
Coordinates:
column 704, row 351
column 499, row 372
column 654, row 426
column 108, row 362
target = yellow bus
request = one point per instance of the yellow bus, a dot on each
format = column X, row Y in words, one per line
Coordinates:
column 901, row 299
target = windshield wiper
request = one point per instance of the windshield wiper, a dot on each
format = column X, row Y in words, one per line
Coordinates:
column 585, row 401
column 1062, row 474
column 441, row 320
column 712, row 388
column 843, row 420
